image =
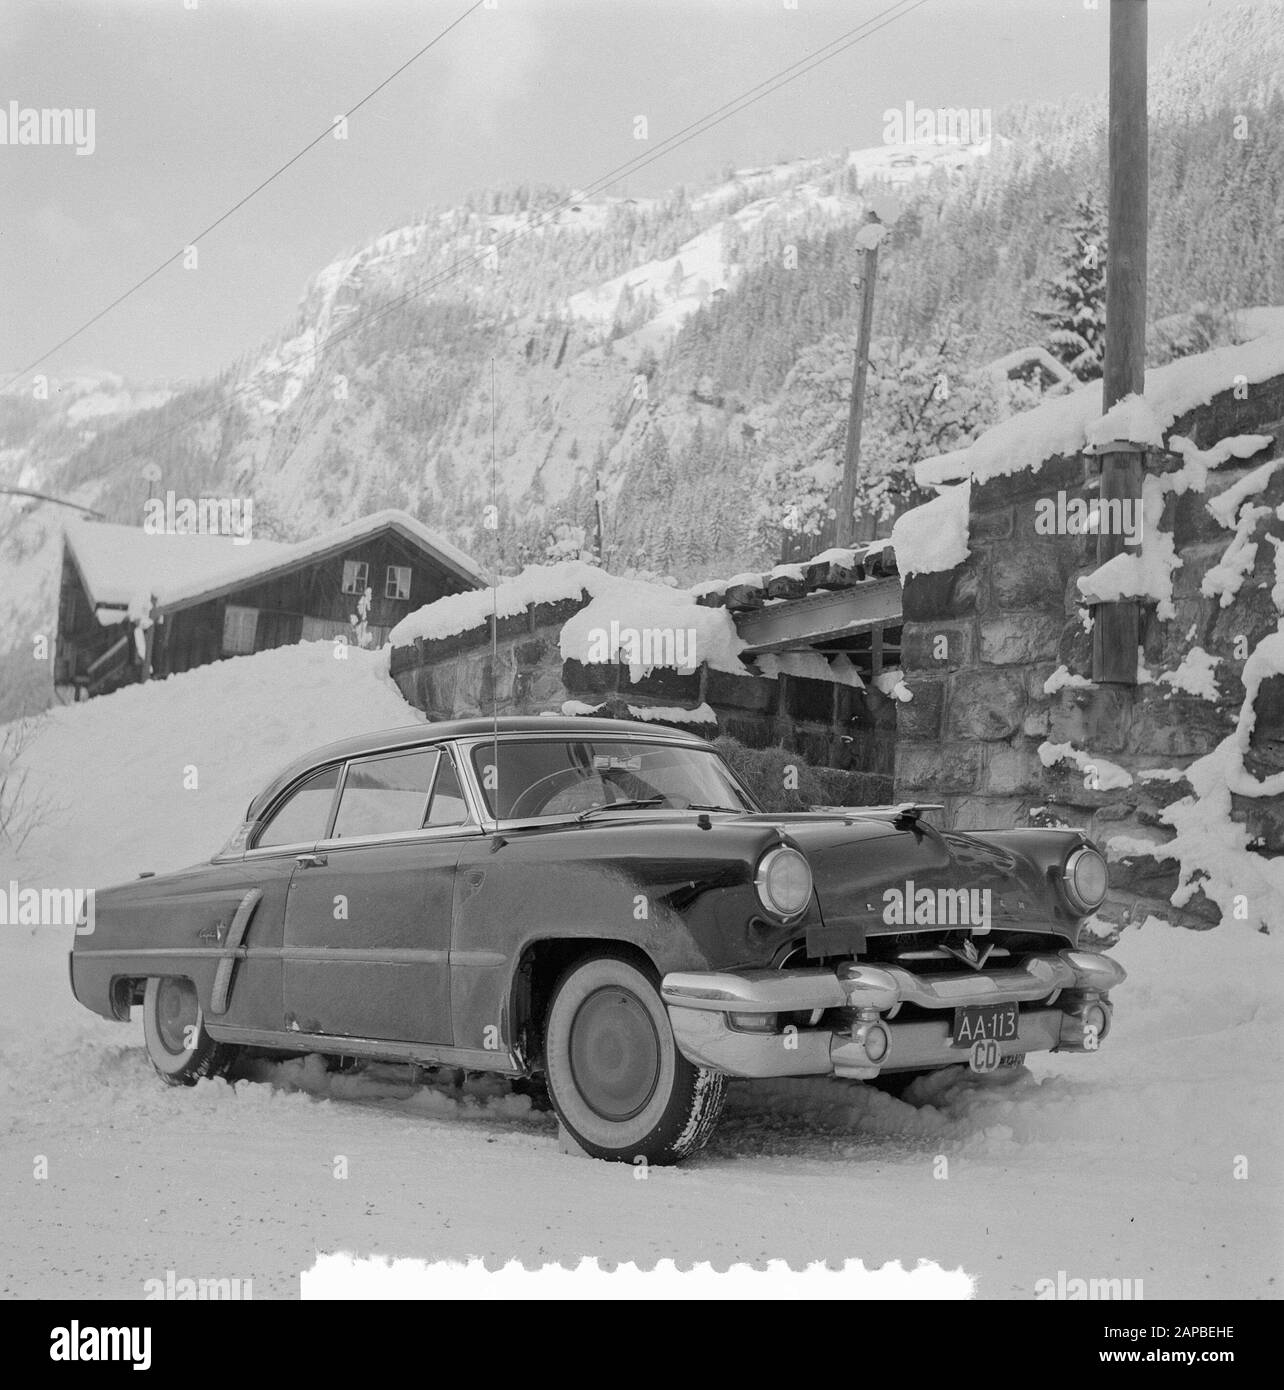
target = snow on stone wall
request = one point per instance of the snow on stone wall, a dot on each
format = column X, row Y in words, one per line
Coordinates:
column 1180, row 778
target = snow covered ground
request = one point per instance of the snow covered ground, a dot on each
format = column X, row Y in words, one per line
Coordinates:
column 1158, row 1159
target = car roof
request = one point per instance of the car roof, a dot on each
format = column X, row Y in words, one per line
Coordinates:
column 406, row 734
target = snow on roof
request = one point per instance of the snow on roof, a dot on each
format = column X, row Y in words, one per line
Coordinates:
column 612, row 626
column 943, row 469
column 1066, row 424
column 457, row 613
column 118, row 563
column 123, row 564
column 933, row 537
column 1031, row 355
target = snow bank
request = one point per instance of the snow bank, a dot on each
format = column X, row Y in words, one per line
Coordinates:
column 156, row 776
column 933, row 537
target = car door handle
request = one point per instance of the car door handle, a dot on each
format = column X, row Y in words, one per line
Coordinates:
column 310, row 861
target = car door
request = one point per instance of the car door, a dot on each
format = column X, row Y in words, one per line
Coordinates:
column 368, row 919
column 250, row 951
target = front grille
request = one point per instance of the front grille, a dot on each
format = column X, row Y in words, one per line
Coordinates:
column 928, row 953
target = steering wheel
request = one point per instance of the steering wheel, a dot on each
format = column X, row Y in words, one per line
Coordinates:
column 530, row 803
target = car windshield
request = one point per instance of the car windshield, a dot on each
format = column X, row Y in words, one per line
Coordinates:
column 523, row 778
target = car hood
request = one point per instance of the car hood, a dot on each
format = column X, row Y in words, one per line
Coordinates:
column 861, row 863
column 875, row 877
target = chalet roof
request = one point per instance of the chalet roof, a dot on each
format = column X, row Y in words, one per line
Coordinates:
column 123, row 565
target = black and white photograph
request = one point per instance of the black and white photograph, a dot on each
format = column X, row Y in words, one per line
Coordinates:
column 642, row 657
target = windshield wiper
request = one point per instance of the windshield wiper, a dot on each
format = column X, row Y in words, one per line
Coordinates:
column 620, row 806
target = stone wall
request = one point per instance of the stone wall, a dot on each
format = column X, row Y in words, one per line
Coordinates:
column 826, row 723
column 981, row 641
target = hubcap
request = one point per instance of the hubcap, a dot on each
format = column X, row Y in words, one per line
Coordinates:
column 614, row 1054
column 177, row 1010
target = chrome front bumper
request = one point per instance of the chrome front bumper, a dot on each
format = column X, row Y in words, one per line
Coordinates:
column 730, row 1022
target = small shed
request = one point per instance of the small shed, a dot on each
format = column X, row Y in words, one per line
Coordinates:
column 133, row 604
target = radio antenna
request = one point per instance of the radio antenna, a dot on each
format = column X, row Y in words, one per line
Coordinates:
column 494, row 605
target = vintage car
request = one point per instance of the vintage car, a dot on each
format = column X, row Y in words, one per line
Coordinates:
column 600, row 904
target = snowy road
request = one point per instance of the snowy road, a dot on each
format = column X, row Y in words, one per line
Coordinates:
column 1158, row 1159
column 1121, row 1165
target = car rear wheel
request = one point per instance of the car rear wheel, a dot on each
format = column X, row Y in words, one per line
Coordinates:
column 174, row 1028
column 615, row 1075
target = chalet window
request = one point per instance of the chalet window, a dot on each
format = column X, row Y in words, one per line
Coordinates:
column 239, row 627
column 397, row 584
column 356, row 576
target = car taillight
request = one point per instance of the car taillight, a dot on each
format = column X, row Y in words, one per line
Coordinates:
column 783, row 881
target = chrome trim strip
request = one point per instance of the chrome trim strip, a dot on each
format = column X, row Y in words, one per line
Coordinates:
column 332, row 955
column 233, row 950
column 430, row 1054
column 754, row 991
column 883, row 987
column 483, row 959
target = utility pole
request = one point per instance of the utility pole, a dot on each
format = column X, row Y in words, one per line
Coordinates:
column 598, row 498
column 868, row 237
column 1116, row 629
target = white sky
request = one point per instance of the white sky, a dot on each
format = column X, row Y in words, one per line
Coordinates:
column 193, row 107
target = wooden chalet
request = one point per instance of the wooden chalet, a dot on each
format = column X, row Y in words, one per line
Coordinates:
column 133, row 605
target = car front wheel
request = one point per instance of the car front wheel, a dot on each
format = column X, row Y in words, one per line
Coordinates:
column 615, row 1075
column 174, row 1029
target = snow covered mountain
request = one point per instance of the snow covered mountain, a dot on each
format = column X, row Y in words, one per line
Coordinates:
column 667, row 352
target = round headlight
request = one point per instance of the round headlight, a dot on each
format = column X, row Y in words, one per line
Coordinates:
column 1086, row 879
column 783, row 881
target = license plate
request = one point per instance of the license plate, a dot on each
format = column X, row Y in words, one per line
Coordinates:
column 986, row 1023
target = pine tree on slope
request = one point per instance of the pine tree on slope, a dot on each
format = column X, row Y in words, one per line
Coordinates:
column 1077, row 314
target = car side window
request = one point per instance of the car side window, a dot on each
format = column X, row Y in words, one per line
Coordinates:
column 386, row 795
column 301, row 818
column 448, row 804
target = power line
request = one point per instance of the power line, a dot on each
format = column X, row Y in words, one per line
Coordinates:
column 700, row 126
column 237, row 206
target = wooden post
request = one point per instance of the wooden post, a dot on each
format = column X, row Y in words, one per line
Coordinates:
column 845, row 528
column 1124, row 368
column 1116, row 631
column 598, row 495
